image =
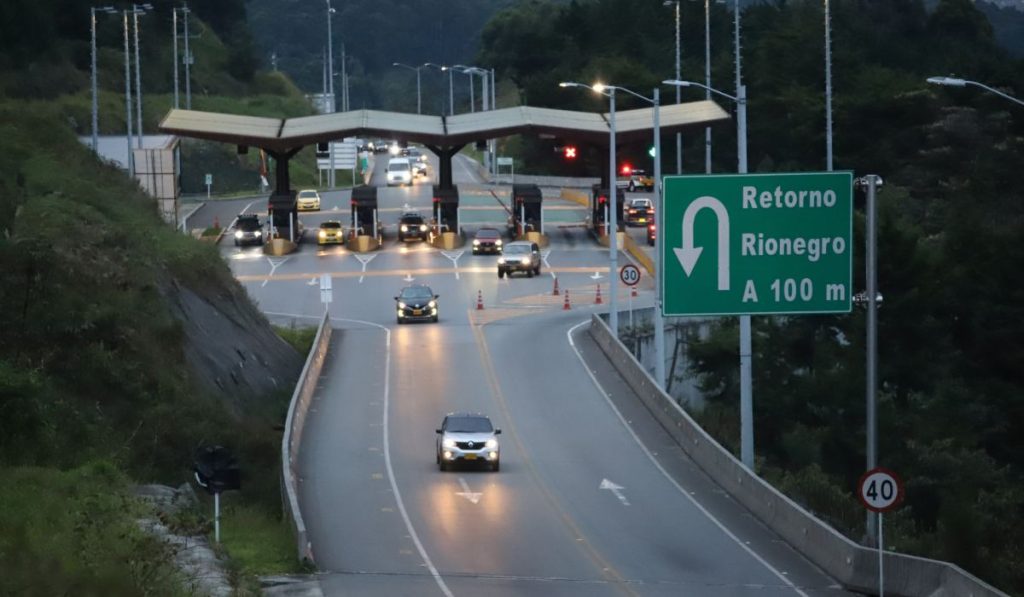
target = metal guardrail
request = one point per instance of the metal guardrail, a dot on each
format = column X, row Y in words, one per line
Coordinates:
column 294, row 425
column 853, row 565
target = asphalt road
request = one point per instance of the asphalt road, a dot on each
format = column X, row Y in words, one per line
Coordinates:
column 592, row 499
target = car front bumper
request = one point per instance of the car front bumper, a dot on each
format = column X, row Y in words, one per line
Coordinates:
column 460, row 455
column 424, row 314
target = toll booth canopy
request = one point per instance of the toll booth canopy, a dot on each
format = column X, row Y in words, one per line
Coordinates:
column 446, row 208
column 364, row 210
column 526, row 209
column 599, row 207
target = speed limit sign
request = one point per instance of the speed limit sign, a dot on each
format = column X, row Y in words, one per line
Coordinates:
column 629, row 274
column 880, row 490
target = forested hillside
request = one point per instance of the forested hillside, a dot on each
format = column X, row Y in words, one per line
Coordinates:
column 951, row 244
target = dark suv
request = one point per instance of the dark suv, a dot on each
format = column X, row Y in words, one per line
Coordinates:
column 411, row 226
column 248, row 230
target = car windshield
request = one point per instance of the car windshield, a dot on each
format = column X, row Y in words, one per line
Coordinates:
column 412, row 219
column 417, row 292
column 469, row 424
column 398, row 166
column 487, row 233
column 248, row 224
column 334, row 225
column 517, row 249
column 307, row 194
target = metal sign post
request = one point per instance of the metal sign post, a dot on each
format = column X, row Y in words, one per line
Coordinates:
column 880, row 490
column 326, row 292
column 209, row 183
column 630, row 276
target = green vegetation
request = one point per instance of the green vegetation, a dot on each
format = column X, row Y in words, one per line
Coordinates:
column 951, row 232
column 301, row 338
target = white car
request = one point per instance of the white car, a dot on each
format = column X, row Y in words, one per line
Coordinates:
column 468, row 437
column 308, row 200
column 399, row 172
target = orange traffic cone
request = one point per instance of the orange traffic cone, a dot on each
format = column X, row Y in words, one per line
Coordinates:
column 479, row 300
column 216, row 222
column 597, row 297
column 566, row 307
column 555, row 291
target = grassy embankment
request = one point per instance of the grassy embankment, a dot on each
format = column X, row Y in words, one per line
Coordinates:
column 94, row 389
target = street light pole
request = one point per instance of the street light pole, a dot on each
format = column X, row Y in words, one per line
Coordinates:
column 955, row 82
column 659, row 197
column 613, row 205
column 451, row 93
column 174, row 28
column 679, row 99
column 92, row 54
column 130, row 159
column 828, row 88
column 419, row 105
column 136, row 10
column 872, row 182
column 188, row 60
column 707, row 81
column 746, row 393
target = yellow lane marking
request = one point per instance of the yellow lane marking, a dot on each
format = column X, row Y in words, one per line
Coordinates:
column 609, row 573
column 403, row 272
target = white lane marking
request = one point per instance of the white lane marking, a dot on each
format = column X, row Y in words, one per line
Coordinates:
column 454, row 258
column 244, row 210
column 387, row 447
column 274, row 264
column 462, row 162
column 665, row 474
column 544, row 259
column 615, row 489
column 408, row 278
column 473, row 496
column 364, row 259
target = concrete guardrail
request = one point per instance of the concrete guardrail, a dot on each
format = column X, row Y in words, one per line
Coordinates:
column 294, row 425
column 853, row 565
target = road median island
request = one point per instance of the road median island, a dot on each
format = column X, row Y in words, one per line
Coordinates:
column 852, row 565
column 294, row 426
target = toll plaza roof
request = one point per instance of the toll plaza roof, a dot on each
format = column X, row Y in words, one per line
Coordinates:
column 283, row 135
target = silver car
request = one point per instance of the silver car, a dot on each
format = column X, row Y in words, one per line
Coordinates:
column 468, row 437
column 520, row 256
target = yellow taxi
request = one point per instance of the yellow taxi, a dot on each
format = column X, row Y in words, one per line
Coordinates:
column 330, row 233
column 308, row 200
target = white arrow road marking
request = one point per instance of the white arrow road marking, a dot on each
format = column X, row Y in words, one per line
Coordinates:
column 364, row 259
column 596, row 276
column 274, row 264
column 615, row 489
column 408, row 278
column 313, row 281
column 544, row 259
column 473, row 496
column 688, row 254
column 454, row 257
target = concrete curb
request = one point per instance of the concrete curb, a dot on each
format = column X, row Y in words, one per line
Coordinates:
column 854, row 566
column 294, row 425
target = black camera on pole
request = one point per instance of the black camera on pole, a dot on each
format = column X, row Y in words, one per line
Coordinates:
column 216, row 469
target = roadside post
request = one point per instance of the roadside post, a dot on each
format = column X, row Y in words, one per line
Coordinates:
column 326, row 293
column 880, row 490
column 216, row 470
column 209, row 183
column 630, row 276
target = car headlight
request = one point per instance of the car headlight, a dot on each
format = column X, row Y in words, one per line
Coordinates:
column 492, row 444
column 525, row 261
column 238, row 234
column 476, row 242
column 402, row 305
column 448, row 443
column 432, row 305
column 498, row 242
column 258, row 233
column 323, row 234
column 405, row 228
column 501, row 260
column 423, row 227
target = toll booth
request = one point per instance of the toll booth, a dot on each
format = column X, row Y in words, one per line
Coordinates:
column 445, row 210
column 599, row 207
column 364, row 211
column 283, row 214
column 527, row 214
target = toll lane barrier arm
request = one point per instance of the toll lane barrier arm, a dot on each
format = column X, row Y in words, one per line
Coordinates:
column 294, row 425
column 854, row 566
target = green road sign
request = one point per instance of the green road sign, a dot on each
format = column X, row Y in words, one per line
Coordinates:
column 748, row 244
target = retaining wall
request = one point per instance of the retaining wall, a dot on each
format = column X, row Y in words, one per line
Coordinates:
column 853, row 565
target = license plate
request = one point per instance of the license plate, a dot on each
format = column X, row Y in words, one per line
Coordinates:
column 642, row 220
column 417, row 311
column 470, row 456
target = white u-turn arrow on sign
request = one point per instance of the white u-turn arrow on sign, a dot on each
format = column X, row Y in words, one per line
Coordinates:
column 688, row 254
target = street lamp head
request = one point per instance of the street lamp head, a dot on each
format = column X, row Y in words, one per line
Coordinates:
column 677, row 83
column 947, row 81
column 599, row 87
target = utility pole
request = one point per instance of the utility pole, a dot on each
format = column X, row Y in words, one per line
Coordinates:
column 130, row 159
column 188, row 61
column 174, row 27
column 138, row 74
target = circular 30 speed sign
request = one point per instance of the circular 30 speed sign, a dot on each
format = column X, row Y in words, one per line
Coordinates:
column 880, row 490
column 630, row 275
